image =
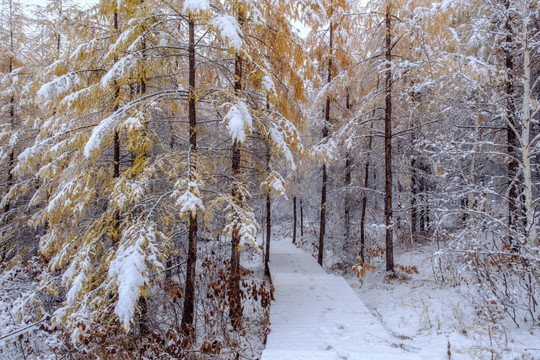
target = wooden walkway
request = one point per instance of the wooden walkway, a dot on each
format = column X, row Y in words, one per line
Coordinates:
column 317, row 316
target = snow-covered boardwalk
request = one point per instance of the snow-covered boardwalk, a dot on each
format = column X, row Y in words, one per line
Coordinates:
column 318, row 316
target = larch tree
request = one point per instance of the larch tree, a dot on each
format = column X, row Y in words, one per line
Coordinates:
column 329, row 28
column 192, row 10
column 17, row 113
column 99, row 107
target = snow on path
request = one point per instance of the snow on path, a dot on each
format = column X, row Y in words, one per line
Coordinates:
column 317, row 316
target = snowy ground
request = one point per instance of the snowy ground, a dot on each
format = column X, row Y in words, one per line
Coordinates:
column 437, row 320
column 430, row 319
column 22, row 338
column 318, row 316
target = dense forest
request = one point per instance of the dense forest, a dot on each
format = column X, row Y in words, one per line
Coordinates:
column 152, row 150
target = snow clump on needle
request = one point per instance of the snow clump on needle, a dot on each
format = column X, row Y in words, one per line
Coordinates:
column 196, row 5
column 229, row 29
column 238, row 120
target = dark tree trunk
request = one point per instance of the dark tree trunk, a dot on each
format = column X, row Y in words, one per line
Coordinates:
column 425, row 188
column 512, row 143
column 116, row 141
column 11, row 160
column 235, row 300
column 347, row 206
column 348, row 182
column 116, row 144
column 189, row 301
column 388, row 146
column 414, row 215
column 301, row 219
column 422, row 212
column 235, row 311
column 9, row 183
column 294, row 220
column 364, row 202
column 323, row 216
column 144, row 329
column 268, row 218
column 322, row 224
column 116, row 155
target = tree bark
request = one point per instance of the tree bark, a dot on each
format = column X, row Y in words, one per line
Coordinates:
column 189, row 301
column 348, row 183
column 301, row 220
column 388, row 145
column 322, row 224
column 11, row 161
column 414, row 216
column 116, row 140
column 364, row 202
column 268, row 218
column 512, row 143
column 141, row 89
column 294, row 221
column 235, row 302
column 532, row 237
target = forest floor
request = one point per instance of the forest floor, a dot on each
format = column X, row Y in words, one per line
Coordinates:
column 414, row 315
column 431, row 319
column 439, row 320
column 318, row 316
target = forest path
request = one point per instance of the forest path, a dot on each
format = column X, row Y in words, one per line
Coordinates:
column 318, row 316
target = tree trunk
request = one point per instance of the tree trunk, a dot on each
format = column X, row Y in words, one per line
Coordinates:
column 413, row 198
column 268, row 218
column 388, row 146
column 235, row 311
column 116, row 142
column 301, row 220
column 9, row 183
column 512, row 143
column 364, row 201
column 532, row 238
column 322, row 224
column 189, row 301
column 235, row 302
column 348, row 182
column 347, row 206
column 421, row 213
column 294, row 220
column 11, row 161
column 141, row 89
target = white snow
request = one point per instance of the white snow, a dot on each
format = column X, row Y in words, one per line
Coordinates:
column 238, row 120
column 58, row 86
column 119, row 69
column 257, row 17
column 269, row 85
column 278, row 136
column 133, row 123
column 75, row 276
column 229, row 29
column 428, row 315
column 129, row 268
column 318, row 316
column 62, row 195
column 196, row 5
column 275, row 182
column 99, row 132
column 187, row 196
